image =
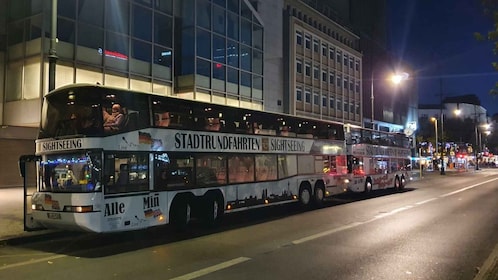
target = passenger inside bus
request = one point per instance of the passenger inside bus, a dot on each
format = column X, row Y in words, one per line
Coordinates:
column 163, row 119
column 115, row 120
column 212, row 124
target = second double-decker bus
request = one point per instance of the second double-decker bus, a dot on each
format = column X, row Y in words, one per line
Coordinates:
column 377, row 159
column 109, row 159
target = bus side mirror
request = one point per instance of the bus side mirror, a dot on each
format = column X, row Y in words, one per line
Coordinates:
column 22, row 163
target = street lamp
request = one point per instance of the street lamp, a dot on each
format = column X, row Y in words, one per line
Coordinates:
column 435, row 129
column 395, row 78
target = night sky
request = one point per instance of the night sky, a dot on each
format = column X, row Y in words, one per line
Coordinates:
column 437, row 39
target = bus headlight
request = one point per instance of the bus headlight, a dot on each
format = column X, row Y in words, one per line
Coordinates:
column 78, row 209
column 37, row 207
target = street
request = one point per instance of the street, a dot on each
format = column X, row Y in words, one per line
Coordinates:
column 441, row 227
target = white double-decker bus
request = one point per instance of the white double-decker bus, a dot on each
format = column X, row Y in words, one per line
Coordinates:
column 170, row 160
column 377, row 159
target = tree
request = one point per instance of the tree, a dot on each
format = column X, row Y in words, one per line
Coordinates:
column 491, row 11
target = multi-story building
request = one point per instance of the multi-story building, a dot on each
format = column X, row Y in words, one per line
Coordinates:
column 324, row 64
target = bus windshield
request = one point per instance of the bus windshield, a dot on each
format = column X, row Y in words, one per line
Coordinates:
column 74, row 112
column 71, row 173
column 92, row 111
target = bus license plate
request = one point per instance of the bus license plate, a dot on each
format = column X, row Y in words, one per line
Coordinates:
column 55, row 216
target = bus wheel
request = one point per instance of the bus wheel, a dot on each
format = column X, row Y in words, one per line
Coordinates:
column 368, row 186
column 402, row 182
column 397, row 184
column 181, row 213
column 319, row 195
column 213, row 209
column 305, row 195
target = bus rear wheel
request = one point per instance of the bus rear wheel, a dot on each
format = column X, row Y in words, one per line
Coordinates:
column 305, row 195
column 319, row 195
column 181, row 213
column 397, row 184
column 402, row 183
column 213, row 209
column 368, row 186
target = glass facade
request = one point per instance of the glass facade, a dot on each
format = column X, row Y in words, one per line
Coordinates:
column 213, row 47
column 222, row 50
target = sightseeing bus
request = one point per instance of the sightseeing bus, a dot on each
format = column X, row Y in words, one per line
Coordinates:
column 377, row 159
column 171, row 161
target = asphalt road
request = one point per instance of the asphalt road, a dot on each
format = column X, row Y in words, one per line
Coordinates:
column 444, row 227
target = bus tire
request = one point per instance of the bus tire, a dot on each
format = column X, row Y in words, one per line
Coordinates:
column 319, row 194
column 213, row 208
column 397, row 184
column 181, row 213
column 305, row 195
column 402, row 183
column 368, row 186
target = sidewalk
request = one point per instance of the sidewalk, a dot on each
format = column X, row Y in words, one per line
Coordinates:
column 12, row 215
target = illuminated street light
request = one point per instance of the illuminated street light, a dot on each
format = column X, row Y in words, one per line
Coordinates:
column 396, row 79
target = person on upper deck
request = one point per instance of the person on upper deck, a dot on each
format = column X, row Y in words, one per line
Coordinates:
column 115, row 120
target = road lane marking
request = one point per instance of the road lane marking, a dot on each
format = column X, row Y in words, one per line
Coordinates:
column 426, row 201
column 47, row 259
column 392, row 212
column 325, row 233
column 211, row 269
column 468, row 188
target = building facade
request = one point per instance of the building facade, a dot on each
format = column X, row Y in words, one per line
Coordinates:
column 324, row 65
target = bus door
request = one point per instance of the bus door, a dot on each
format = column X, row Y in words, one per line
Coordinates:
column 28, row 168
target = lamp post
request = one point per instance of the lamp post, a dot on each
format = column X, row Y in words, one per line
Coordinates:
column 435, row 129
column 372, row 99
column 443, row 145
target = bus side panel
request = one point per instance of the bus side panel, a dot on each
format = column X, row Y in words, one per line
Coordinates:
column 257, row 194
column 135, row 212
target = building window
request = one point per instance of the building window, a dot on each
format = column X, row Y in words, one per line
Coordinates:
column 324, row 101
column 299, row 94
column 324, row 50
column 351, row 62
column 351, row 107
column 324, row 76
column 307, row 93
column 339, row 104
column 357, row 87
column 338, row 56
column 357, row 109
column 351, row 85
column 299, row 38
column 345, row 59
column 316, row 72
column 331, row 103
column 315, row 45
column 331, row 78
column 316, row 98
column 357, row 65
column 331, row 54
column 339, row 80
column 307, row 42
column 307, row 69
column 345, row 106
column 345, row 83
column 299, row 66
